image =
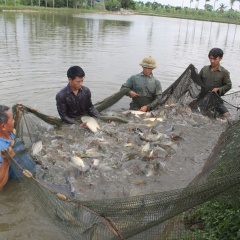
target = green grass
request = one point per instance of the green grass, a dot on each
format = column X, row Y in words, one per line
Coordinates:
column 225, row 17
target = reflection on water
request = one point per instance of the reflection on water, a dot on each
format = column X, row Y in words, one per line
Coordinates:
column 37, row 49
column 21, row 218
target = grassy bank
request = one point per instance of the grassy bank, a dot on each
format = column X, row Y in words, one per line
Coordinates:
column 231, row 17
column 21, row 8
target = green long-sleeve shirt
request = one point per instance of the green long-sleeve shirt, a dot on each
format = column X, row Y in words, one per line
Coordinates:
column 216, row 79
column 145, row 86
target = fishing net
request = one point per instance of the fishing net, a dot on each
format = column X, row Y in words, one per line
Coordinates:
column 152, row 215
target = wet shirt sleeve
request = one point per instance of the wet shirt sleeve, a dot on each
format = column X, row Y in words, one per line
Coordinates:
column 62, row 107
column 128, row 85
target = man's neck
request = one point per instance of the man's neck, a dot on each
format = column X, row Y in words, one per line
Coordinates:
column 5, row 135
column 214, row 68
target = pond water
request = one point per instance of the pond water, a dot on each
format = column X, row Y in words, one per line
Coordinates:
column 37, row 49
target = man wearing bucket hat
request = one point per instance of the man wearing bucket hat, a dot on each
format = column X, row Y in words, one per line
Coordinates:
column 144, row 89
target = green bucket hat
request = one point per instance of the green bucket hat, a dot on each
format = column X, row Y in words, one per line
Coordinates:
column 148, row 62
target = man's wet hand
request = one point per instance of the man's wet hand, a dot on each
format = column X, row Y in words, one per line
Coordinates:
column 216, row 90
column 84, row 125
column 133, row 94
column 143, row 108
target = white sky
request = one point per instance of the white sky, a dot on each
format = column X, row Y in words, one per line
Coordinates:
column 186, row 3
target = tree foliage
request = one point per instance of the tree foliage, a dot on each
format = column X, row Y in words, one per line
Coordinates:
column 112, row 5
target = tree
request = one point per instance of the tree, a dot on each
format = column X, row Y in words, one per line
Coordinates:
column 127, row 4
column 208, row 7
column 197, row 4
column 214, row 4
column 148, row 4
column 232, row 2
column 191, row 3
column 222, row 7
column 112, row 5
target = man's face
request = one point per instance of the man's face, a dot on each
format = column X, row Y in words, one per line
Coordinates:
column 147, row 71
column 214, row 61
column 76, row 84
column 8, row 127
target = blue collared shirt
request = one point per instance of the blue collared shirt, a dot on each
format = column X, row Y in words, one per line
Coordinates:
column 4, row 144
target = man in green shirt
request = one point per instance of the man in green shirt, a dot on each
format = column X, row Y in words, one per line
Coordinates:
column 144, row 89
column 216, row 78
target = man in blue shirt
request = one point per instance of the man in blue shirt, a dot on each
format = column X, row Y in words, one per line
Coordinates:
column 14, row 146
column 6, row 141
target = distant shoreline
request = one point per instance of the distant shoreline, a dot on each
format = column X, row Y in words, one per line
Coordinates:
column 29, row 9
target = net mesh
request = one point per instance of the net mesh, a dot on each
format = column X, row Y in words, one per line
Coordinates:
column 150, row 216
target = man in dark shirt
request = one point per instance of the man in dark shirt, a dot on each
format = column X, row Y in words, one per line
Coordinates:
column 216, row 78
column 74, row 100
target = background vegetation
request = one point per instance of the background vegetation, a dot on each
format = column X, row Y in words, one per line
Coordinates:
column 209, row 13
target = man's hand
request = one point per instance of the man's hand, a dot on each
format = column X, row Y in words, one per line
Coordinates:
column 19, row 113
column 143, row 108
column 84, row 125
column 11, row 152
column 133, row 94
column 216, row 90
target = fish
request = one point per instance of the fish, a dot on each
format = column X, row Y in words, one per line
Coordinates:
column 153, row 119
column 92, row 152
column 36, row 148
column 153, row 123
column 95, row 164
column 91, row 123
column 137, row 113
column 113, row 118
column 77, row 161
column 146, row 147
column 81, row 169
column 170, row 129
column 71, row 181
column 150, row 173
column 128, row 145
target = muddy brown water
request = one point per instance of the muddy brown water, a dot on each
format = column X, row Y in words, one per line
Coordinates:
column 37, row 48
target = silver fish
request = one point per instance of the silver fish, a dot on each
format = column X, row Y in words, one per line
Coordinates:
column 36, row 148
column 91, row 122
column 80, row 168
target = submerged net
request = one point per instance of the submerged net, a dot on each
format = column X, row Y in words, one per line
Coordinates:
column 153, row 215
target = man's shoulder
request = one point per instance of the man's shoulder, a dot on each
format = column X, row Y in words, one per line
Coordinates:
column 223, row 69
column 4, row 143
column 205, row 70
column 85, row 89
column 206, row 67
column 62, row 92
column 138, row 75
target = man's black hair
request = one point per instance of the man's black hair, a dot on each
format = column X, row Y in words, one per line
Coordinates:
column 74, row 72
column 215, row 52
column 3, row 114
